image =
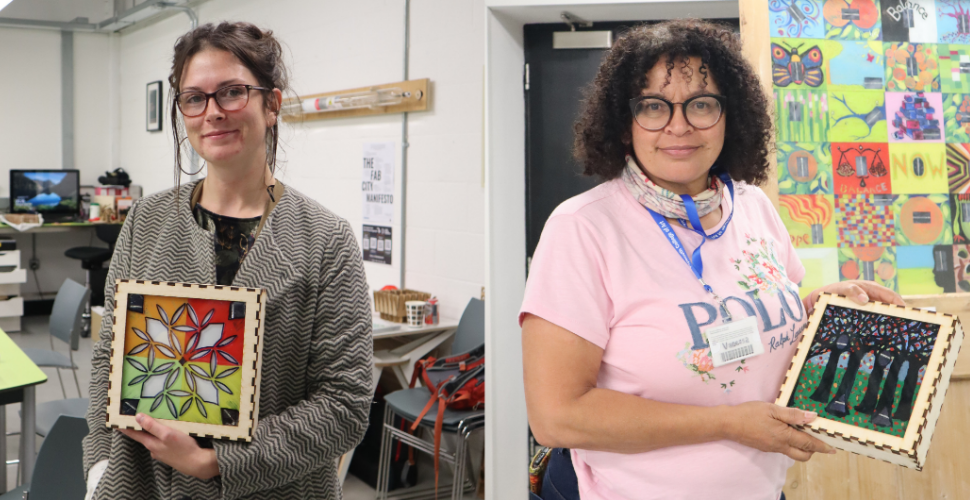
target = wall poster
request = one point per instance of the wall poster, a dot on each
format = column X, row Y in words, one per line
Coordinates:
column 377, row 188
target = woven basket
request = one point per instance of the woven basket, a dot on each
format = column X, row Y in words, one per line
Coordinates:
column 390, row 303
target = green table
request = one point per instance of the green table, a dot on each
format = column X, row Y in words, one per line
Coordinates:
column 18, row 376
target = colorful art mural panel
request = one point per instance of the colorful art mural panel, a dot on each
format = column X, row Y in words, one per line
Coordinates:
column 925, row 270
column 915, row 116
column 853, row 66
column 956, row 117
column 809, row 219
column 804, row 168
column 922, row 219
column 909, row 21
column 958, row 168
column 918, row 168
column 912, row 67
column 852, row 20
column 873, row 263
column 857, row 116
column 954, row 61
column 796, row 18
column 864, row 221
column 821, row 268
column 802, row 115
column 798, row 63
column 861, row 168
column 960, row 218
column 953, row 21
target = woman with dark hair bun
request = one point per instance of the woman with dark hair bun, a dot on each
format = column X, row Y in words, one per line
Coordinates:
column 662, row 307
column 241, row 227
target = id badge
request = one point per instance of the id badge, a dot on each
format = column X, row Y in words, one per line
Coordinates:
column 734, row 341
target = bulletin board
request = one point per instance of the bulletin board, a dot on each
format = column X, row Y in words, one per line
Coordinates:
column 871, row 102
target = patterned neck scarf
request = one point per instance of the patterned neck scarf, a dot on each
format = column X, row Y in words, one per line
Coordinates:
column 668, row 203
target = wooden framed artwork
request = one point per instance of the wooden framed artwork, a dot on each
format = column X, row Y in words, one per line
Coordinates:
column 875, row 374
column 153, row 109
column 187, row 354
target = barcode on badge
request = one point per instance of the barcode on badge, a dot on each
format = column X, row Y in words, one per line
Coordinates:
column 738, row 353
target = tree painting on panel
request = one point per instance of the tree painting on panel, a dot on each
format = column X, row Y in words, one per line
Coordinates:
column 869, row 263
column 796, row 18
column 953, row 21
column 852, row 20
column 865, row 369
column 857, row 116
column 809, row 219
column 182, row 359
column 804, row 168
column 802, row 115
column 956, row 117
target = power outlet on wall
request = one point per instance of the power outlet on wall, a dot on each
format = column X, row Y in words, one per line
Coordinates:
column 34, row 263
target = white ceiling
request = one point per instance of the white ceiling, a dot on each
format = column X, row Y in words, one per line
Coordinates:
column 60, row 10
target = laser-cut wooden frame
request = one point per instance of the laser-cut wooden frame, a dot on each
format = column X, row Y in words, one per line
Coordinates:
column 909, row 450
column 250, row 364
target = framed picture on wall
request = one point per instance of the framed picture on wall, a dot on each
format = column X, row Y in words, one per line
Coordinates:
column 153, row 110
column 187, row 354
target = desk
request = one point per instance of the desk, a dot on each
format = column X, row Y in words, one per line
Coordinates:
column 385, row 329
column 58, row 227
column 18, row 376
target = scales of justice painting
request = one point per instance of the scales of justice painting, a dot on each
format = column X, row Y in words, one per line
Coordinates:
column 186, row 354
column 872, row 116
column 876, row 375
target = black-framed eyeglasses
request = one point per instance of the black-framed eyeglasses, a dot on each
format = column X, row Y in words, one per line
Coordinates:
column 193, row 103
column 701, row 112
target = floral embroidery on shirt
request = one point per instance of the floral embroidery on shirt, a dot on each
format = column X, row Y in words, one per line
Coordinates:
column 699, row 361
column 760, row 269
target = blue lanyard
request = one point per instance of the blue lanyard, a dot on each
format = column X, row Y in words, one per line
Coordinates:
column 695, row 262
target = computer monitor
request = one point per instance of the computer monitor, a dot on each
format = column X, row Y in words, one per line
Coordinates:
column 45, row 191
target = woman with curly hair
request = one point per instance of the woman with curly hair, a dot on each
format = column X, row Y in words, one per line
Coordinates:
column 651, row 362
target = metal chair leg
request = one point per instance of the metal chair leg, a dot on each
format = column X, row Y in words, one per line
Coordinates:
column 458, row 481
column 70, row 355
column 387, row 444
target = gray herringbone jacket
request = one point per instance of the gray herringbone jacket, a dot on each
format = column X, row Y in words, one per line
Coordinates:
column 316, row 386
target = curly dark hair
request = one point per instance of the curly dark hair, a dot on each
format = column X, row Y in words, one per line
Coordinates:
column 603, row 129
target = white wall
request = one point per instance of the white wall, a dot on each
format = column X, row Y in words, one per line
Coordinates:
column 30, row 129
column 334, row 45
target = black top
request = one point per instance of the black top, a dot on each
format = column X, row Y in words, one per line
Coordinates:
column 233, row 238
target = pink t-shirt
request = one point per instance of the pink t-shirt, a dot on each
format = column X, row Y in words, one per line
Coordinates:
column 604, row 271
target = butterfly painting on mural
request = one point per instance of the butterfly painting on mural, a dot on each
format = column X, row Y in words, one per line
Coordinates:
column 852, row 20
column 796, row 18
column 788, row 66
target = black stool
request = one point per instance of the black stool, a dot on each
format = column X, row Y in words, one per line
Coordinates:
column 93, row 259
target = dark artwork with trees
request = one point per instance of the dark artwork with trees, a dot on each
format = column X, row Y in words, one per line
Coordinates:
column 865, row 369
